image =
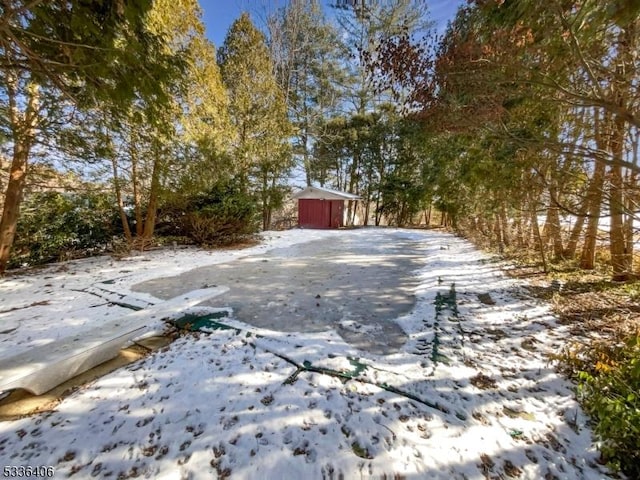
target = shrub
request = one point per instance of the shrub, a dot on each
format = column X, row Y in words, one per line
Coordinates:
column 608, row 374
column 223, row 215
column 57, row 226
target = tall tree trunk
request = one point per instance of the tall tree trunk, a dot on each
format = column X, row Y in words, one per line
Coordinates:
column 354, row 212
column 367, row 211
column 504, row 225
column 135, row 182
column 620, row 258
column 630, row 185
column 378, row 212
column 497, row 230
column 576, row 230
column 530, row 236
column 551, row 232
column 402, row 220
column 1, row 183
column 12, row 200
column 381, row 179
column 556, row 233
column 588, row 255
column 118, row 190
column 367, row 199
column 270, row 209
column 595, row 193
column 519, row 229
column 306, row 157
column 152, row 207
column 538, row 237
column 633, row 195
column 352, row 188
column 617, row 242
column 23, row 127
column 631, row 208
column 265, row 200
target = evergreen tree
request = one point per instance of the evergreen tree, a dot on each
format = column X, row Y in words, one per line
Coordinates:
column 258, row 112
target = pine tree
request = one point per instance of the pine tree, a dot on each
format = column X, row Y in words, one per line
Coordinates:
column 185, row 137
column 258, row 112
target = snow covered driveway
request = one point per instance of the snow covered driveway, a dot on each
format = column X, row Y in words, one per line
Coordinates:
column 470, row 394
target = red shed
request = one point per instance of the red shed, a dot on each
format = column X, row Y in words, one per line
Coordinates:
column 321, row 207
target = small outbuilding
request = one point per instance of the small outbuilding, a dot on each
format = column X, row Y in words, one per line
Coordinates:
column 321, row 207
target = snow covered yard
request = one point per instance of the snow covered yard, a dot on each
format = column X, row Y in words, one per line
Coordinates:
column 470, row 395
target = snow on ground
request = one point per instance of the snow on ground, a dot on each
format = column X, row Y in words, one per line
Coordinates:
column 472, row 393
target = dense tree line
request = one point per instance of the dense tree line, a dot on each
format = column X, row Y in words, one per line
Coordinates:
column 133, row 97
column 530, row 114
column 519, row 124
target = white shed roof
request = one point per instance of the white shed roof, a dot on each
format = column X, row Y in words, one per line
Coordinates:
column 319, row 193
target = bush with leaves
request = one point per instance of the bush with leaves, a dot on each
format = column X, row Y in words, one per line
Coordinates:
column 57, row 226
column 222, row 215
column 608, row 374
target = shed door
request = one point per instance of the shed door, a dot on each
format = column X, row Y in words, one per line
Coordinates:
column 314, row 213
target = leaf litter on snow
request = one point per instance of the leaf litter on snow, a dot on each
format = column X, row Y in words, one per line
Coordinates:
column 470, row 395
